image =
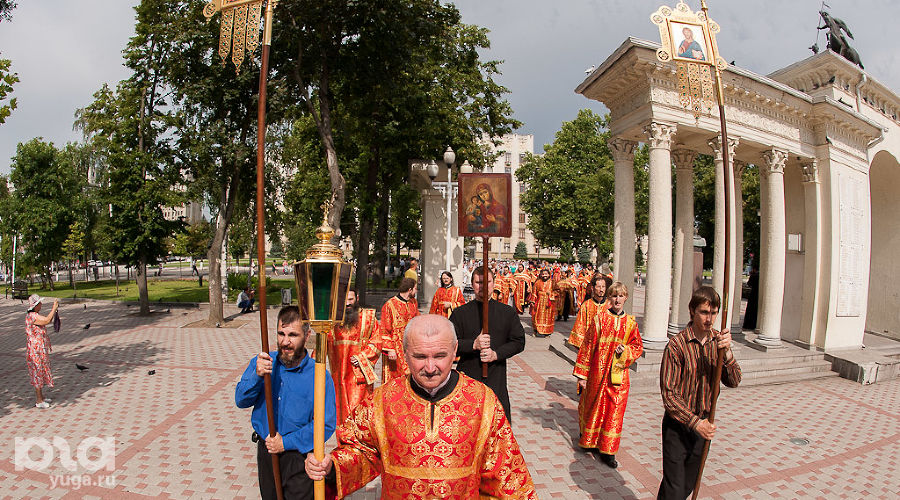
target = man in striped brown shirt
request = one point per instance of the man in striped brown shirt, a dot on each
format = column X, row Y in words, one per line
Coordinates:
column 688, row 365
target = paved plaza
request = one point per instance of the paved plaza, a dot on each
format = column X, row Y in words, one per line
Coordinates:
column 178, row 435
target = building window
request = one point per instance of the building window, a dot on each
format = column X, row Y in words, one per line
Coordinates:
column 521, row 234
column 521, row 187
column 508, row 158
column 521, row 158
column 521, row 218
column 506, row 247
column 507, row 170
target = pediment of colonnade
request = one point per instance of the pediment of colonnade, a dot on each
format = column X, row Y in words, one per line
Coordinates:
column 764, row 113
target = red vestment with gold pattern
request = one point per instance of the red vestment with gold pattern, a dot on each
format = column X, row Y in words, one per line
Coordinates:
column 361, row 342
column 584, row 282
column 601, row 408
column 543, row 312
column 586, row 314
column 395, row 314
column 522, row 281
column 443, row 294
column 459, row 447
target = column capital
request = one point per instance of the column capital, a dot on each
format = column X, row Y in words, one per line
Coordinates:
column 739, row 167
column 716, row 145
column 774, row 161
column 810, row 171
column 621, row 149
column 683, row 158
column 660, row 134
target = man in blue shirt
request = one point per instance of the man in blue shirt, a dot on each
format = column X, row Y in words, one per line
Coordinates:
column 292, row 372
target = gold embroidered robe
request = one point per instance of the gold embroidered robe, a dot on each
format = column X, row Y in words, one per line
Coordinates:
column 586, row 314
column 362, row 342
column 468, row 450
column 395, row 314
column 450, row 294
column 601, row 408
column 543, row 310
column 522, row 282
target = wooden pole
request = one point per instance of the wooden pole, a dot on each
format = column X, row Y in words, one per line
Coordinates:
column 726, row 284
column 485, row 297
column 261, row 233
column 319, row 407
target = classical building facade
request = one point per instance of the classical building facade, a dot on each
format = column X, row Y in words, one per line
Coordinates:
column 826, row 138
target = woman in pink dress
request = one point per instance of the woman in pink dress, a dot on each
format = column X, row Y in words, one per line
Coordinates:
column 37, row 347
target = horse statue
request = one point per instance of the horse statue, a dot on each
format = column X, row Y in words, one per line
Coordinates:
column 837, row 42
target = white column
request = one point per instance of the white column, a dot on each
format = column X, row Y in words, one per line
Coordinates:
column 773, row 247
column 659, row 254
column 812, row 253
column 623, row 226
column 738, row 282
column 683, row 265
column 718, row 277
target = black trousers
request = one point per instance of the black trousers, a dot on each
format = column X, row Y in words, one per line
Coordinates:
column 294, row 481
column 681, row 451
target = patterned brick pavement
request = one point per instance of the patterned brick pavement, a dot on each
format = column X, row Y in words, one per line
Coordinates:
column 178, row 435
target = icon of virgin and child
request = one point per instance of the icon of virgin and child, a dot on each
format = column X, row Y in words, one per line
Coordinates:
column 485, row 213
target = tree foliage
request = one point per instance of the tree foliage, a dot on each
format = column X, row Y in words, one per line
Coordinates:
column 7, row 80
column 570, row 194
column 43, row 206
column 194, row 240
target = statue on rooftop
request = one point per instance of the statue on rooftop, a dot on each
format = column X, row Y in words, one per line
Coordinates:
column 837, row 41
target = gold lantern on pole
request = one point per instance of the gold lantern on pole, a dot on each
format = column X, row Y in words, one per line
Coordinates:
column 322, row 280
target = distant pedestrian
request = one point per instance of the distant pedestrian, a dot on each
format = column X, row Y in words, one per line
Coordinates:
column 37, row 347
column 194, row 269
column 412, row 272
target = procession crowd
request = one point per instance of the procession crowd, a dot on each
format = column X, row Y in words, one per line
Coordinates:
column 436, row 422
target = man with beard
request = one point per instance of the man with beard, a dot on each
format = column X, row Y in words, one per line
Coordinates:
column 543, row 305
column 505, row 338
column 353, row 350
column 292, row 372
column 395, row 314
column 447, row 297
column 465, row 449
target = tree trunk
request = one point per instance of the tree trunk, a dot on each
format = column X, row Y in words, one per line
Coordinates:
column 223, row 219
column 141, row 278
column 366, row 223
column 381, row 233
column 117, row 280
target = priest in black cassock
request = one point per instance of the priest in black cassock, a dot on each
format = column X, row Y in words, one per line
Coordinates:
column 505, row 338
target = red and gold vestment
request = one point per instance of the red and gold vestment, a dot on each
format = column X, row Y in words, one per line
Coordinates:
column 395, row 314
column 458, row 447
column 522, row 281
column 586, row 314
column 601, row 408
column 443, row 294
column 543, row 310
column 361, row 342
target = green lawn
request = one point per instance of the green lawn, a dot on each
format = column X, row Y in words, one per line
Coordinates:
column 185, row 290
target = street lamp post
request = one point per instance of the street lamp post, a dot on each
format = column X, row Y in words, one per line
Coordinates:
column 448, row 190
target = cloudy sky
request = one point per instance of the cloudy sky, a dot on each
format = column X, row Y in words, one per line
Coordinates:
column 64, row 50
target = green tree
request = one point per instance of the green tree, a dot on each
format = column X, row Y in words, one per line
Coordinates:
column 521, row 252
column 432, row 89
column 584, row 254
column 73, row 247
column 571, row 187
column 750, row 191
column 565, row 252
column 705, row 204
column 193, row 241
column 40, row 210
column 129, row 129
column 7, row 80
